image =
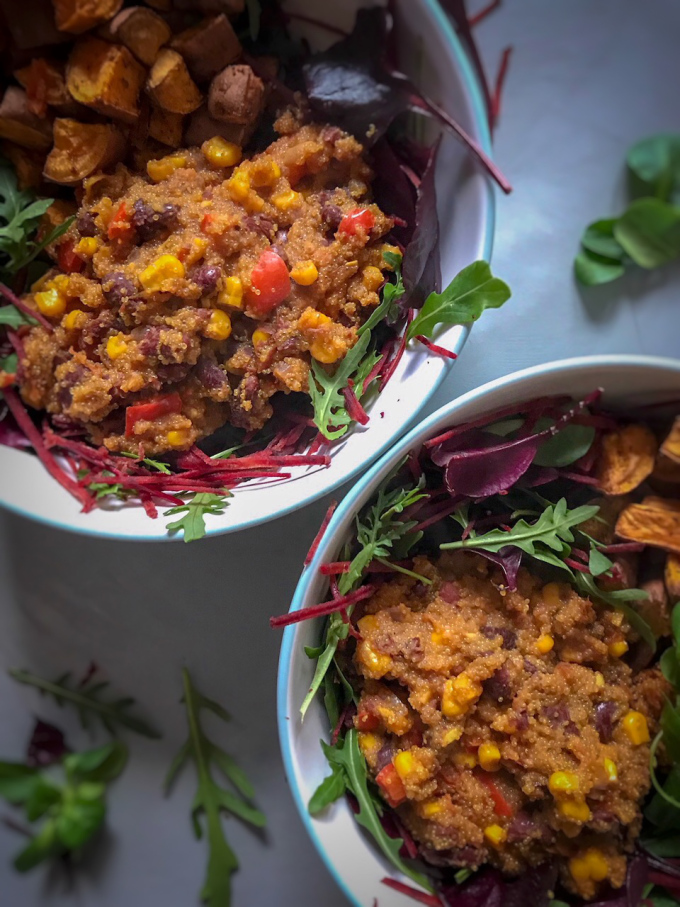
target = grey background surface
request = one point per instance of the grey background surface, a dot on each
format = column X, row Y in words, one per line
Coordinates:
column 586, row 80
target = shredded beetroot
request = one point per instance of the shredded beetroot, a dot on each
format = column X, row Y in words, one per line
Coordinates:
column 355, row 410
column 581, row 568
column 578, row 477
column 324, row 609
column 498, row 87
column 23, row 307
column 430, row 900
column 391, row 366
column 24, row 422
column 437, row 350
column 320, row 534
column 623, row 548
column 335, row 568
column 483, row 13
column 439, row 514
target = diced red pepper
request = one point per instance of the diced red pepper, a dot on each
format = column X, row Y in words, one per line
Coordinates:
column 269, row 283
column 359, row 219
column 391, row 785
column 367, row 721
column 7, row 379
column 500, row 804
column 120, row 226
column 206, row 222
column 68, row 261
column 153, row 409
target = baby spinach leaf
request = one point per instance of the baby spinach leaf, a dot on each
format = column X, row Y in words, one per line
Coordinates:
column 649, row 231
column 470, row 292
column 598, row 238
column 566, row 447
column 654, row 167
column 591, row 269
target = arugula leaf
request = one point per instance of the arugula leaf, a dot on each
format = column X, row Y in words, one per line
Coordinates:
column 377, row 534
column 85, row 697
column 73, row 810
column 618, row 600
column 211, row 799
column 192, row 524
column 348, row 763
column 330, row 790
column 470, row 292
column 598, row 563
column 330, row 409
column 13, row 318
column 551, row 530
column 147, row 461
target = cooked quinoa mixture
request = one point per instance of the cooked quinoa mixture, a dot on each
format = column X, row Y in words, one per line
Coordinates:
column 188, row 296
column 505, row 727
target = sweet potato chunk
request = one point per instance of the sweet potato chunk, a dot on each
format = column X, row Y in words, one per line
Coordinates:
column 166, row 127
column 81, row 149
column 141, row 30
column 236, row 95
column 45, row 85
column 202, row 126
column 19, row 124
column 208, row 47
column 170, row 84
column 77, row 16
column 626, row 459
column 655, row 522
column 106, row 78
column 671, row 576
column 671, row 446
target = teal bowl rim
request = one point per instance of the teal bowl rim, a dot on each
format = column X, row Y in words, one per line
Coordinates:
column 348, row 506
column 473, row 89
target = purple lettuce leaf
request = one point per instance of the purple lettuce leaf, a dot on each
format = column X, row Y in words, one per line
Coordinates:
column 46, row 746
column 489, row 889
column 483, row 890
column 508, row 559
column 483, row 472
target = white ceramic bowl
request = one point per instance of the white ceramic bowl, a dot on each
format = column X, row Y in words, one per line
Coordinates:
column 355, row 863
column 466, row 212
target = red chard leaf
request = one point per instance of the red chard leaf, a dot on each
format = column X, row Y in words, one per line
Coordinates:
column 46, row 746
column 421, row 270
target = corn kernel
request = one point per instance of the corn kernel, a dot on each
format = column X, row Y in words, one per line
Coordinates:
column 311, row 319
column 599, row 680
column 590, row 865
column 60, row 282
column 465, row 760
column 563, row 784
column 177, row 438
column 232, row 294
column 376, row 663
column 489, row 757
column 574, row 809
column 618, row 649
column 439, row 638
column 452, row 735
column 116, row 346
column 326, row 350
column 264, row 172
column 221, row 153
column 404, row 764
column 219, row 326
column 195, row 252
column 611, row 770
column 163, row 168
column 551, row 594
column 164, row 268
column 51, row 302
column 372, row 278
column 239, row 186
column 495, row 835
column 87, row 246
column 305, row 273
column 635, row 727
column 431, row 808
column 287, row 200
column 544, row 644
column 459, row 694
column 74, row 320
column 260, row 337
column 368, row 743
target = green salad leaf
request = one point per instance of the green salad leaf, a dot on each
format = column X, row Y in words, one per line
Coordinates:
column 212, row 800
column 195, row 510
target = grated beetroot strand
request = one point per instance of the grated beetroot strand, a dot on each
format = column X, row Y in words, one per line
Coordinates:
column 497, row 94
column 323, row 609
column 483, row 13
column 430, row 900
column 391, row 366
column 434, row 348
column 355, row 410
column 320, row 534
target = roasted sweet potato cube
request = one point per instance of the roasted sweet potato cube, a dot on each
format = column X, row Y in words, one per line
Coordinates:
column 28, row 165
column 655, row 522
column 141, row 30
column 77, row 16
column 170, row 84
column 236, row 95
column 105, row 77
column 671, row 576
column 19, row 124
column 45, row 85
column 81, row 149
column 208, row 47
column 202, row 126
column 166, row 127
column 671, row 445
column 626, row 458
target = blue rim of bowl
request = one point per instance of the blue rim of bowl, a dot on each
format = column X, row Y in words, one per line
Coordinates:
column 348, row 505
column 474, row 92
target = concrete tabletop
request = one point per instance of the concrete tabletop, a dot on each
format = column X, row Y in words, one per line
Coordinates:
column 586, row 80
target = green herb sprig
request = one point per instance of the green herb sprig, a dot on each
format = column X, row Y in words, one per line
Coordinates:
column 73, row 807
column 647, row 234
column 195, row 510
column 211, row 799
column 86, row 699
